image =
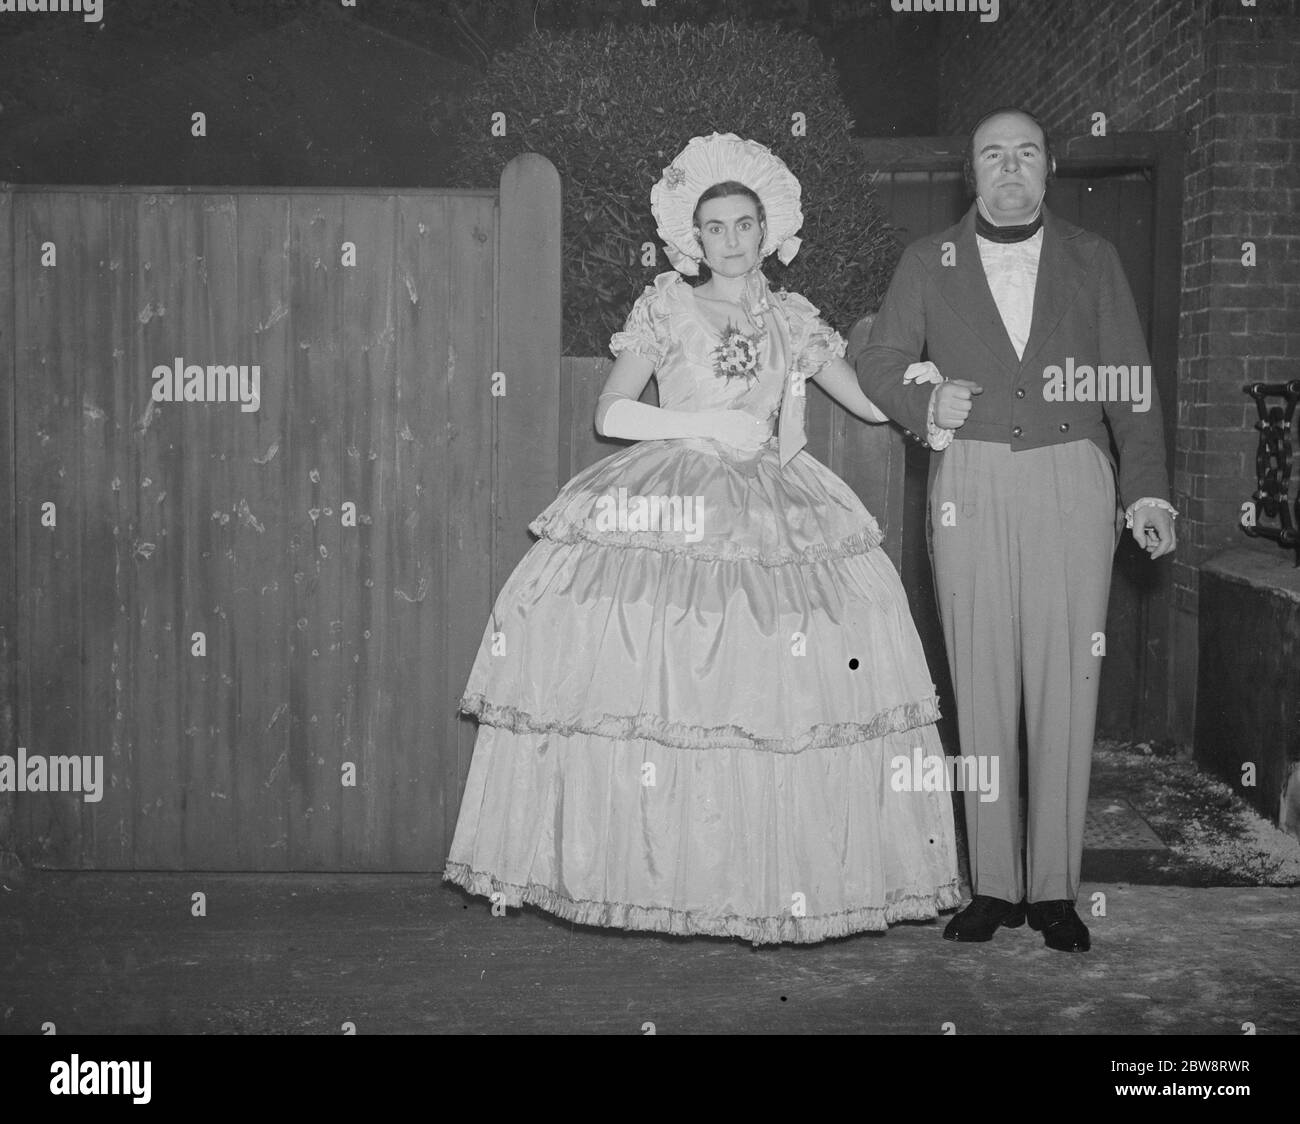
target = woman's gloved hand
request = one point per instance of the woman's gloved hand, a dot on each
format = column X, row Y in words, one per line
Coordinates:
column 738, row 429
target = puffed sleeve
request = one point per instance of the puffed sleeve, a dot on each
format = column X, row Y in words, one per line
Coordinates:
column 815, row 342
column 646, row 331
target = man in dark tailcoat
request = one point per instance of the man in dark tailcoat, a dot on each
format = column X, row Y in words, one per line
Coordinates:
column 1032, row 324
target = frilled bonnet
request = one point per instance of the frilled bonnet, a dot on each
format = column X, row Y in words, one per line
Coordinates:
column 719, row 157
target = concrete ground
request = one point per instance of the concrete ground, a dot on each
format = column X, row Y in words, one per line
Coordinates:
column 295, row 954
column 1177, row 949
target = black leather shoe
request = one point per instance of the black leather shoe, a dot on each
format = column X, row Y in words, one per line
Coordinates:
column 1060, row 926
column 982, row 918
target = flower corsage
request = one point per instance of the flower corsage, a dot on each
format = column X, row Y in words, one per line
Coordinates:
column 736, row 357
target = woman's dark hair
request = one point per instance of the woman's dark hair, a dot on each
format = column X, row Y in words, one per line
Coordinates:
column 721, row 191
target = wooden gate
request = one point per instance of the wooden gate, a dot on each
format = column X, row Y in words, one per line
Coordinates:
column 260, row 619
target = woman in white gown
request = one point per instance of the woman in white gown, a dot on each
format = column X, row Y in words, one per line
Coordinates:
column 693, row 688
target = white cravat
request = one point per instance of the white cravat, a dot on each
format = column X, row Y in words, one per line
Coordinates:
column 1012, row 272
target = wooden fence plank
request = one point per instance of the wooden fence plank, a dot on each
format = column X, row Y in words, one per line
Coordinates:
column 582, row 380
column 48, row 411
column 416, row 516
column 258, row 519
column 374, row 605
column 209, row 279
column 873, row 463
column 819, row 423
column 130, row 395
column 319, row 376
column 156, row 495
column 471, row 319
column 471, row 316
column 528, row 353
column 107, row 825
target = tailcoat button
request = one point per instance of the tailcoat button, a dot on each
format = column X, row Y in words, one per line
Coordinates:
column 1017, row 432
column 1020, row 392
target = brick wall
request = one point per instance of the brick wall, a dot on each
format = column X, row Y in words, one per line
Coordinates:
column 1224, row 74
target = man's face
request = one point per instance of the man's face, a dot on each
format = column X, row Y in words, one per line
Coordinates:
column 730, row 234
column 1010, row 167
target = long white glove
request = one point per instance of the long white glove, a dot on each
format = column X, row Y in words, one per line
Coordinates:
column 618, row 415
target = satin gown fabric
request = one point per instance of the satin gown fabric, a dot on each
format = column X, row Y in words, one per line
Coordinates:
column 672, row 737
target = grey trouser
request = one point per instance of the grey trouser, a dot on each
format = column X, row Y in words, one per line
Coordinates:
column 1022, row 545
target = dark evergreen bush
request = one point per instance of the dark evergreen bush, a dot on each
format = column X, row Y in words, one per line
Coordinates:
column 611, row 108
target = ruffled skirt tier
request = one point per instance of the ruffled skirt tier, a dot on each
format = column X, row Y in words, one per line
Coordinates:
column 690, row 727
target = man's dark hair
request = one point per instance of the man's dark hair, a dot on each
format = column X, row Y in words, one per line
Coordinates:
column 968, row 160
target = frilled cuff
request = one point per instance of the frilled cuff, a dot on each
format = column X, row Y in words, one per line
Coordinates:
column 1148, row 501
column 938, row 437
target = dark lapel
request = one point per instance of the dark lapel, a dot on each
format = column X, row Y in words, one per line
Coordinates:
column 966, row 290
column 1061, row 270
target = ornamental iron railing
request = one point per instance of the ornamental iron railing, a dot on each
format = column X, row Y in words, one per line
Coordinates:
column 1272, row 500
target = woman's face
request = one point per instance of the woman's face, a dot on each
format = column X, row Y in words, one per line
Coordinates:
column 730, row 234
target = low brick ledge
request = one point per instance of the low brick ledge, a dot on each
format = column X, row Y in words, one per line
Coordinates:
column 1275, row 573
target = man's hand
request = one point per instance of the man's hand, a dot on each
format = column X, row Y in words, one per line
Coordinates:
column 952, row 402
column 1153, row 528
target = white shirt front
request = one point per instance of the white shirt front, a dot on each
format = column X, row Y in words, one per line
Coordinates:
column 1012, row 272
